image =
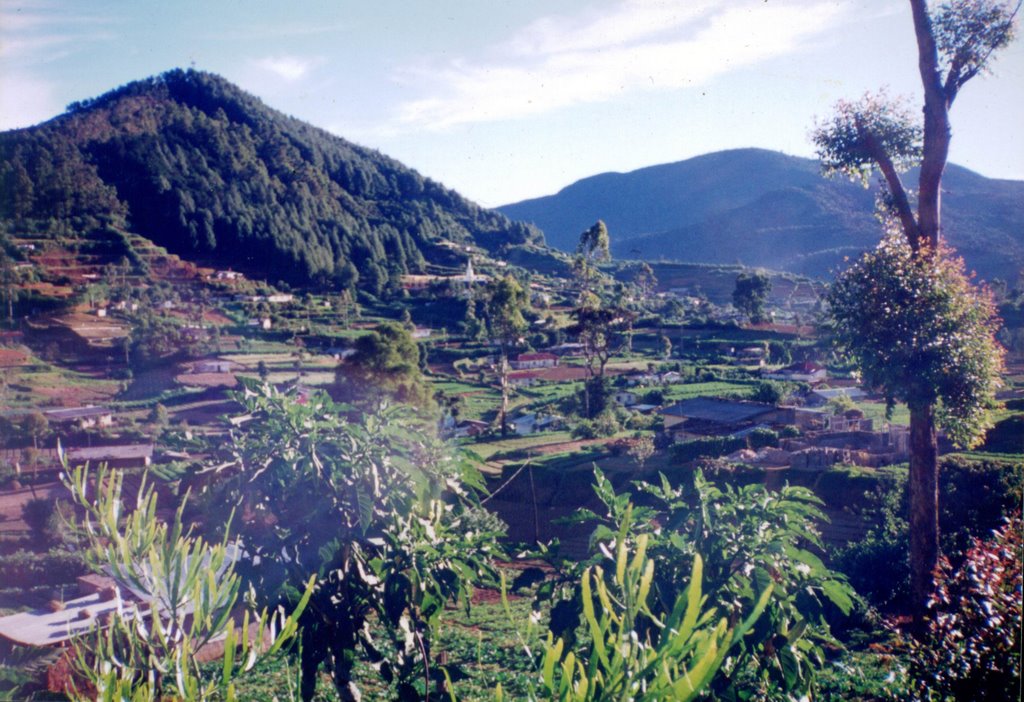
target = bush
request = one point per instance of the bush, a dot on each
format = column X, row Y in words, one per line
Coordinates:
column 973, row 500
column 24, row 569
column 708, row 447
column 752, row 565
column 972, row 649
column 761, row 437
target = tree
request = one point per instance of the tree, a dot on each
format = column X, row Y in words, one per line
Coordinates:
column 591, row 250
column 955, row 43
column 665, row 346
column 751, row 293
column 386, row 515
column 641, row 449
column 597, row 328
column 644, row 279
column 8, row 284
column 386, row 364
column 36, row 425
column 506, row 301
column 769, row 392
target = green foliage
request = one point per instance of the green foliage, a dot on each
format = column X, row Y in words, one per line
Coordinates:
column 751, row 294
column 24, row 569
column 967, row 32
column 747, row 549
column 207, row 169
column 769, row 392
column 706, row 447
column 972, row 650
column 973, row 498
column 861, row 132
column 761, row 437
column 386, row 364
column 381, row 511
column 187, row 588
column 636, row 651
column 594, row 242
column 921, row 333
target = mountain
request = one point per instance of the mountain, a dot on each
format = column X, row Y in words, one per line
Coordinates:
column 208, row 171
column 764, row 208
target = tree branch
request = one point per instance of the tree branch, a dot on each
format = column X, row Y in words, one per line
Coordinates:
column 892, row 178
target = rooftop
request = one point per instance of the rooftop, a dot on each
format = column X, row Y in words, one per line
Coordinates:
column 715, row 410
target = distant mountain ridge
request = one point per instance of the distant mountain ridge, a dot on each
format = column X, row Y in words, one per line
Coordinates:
column 765, row 208
column 206, row 170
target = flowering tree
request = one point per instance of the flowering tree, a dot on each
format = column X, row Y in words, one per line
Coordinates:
column 955, row 43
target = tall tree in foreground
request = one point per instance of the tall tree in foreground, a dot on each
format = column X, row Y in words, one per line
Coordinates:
column 955, row 43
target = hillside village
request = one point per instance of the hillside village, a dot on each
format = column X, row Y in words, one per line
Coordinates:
column 118, row 366
column 137, row 349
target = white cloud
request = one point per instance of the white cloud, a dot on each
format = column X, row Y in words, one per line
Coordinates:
column 289, row 68
column 39, row 32
column 559, row 61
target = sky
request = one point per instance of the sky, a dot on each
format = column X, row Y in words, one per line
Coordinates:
column 504, row 100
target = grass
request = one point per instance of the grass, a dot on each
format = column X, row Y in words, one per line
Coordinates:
column 488, row 449
column 674, row 393
column 876, row 412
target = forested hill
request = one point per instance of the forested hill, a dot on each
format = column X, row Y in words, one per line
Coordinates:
column 764, row 208
column 206, row 170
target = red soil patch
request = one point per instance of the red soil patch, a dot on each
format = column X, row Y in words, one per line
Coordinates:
column 12, row 357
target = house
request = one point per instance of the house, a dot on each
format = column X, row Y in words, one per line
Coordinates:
column 278, row 298
column 535, row 360
column 470, row 427
column 126, row 456
column 421, row 333
column 81, row 417
column 531, row 423
column 806, row 372
column 851, row 420
column 524, row 378
column 624, row 398
column 213, row 366
column 264, row 323
column 822, row 396
column 707, row 416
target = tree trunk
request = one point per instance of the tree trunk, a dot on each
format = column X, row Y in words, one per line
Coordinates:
column 924, row 510
column 937, row 129
column 504, row 394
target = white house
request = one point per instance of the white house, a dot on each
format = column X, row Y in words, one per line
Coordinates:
column 806, row 372
column 531, row 423
column 535, row 360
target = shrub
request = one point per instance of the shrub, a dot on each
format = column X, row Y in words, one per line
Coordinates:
column 23, row 569
column 708, row 447
column 761, row 437
column 973, row 643
column 740, row 551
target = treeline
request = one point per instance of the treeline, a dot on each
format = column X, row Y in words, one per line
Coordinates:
column 202, row 168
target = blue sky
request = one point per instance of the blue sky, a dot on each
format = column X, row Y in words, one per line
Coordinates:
column 508, row 99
